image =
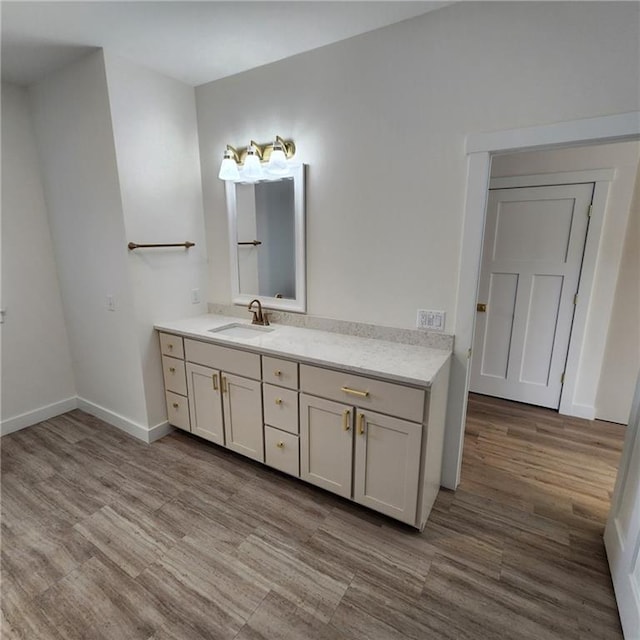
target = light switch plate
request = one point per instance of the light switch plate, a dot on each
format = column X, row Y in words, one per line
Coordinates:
column 431, row 320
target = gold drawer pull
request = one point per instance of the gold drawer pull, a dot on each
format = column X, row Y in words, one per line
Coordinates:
column 169, row 346
column 214, row 377
column 278, row 400
column 346, row 419
column 277, row 372
column 280, row 444
column 175, row 405
column 223, row 380
column 481, row 307
column 361, row 423
column 172, row 369
column 355, row 392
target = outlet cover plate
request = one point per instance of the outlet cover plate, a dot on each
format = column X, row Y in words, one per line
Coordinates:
column 431, row 320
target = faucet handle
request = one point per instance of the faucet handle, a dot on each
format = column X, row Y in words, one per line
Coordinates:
column 265, row 319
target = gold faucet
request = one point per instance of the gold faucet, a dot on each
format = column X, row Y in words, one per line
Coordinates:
column 258, row 316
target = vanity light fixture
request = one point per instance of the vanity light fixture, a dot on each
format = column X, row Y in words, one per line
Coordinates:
column 252, row 170
column 229, row 166
column 278, row 164
column 255, row 162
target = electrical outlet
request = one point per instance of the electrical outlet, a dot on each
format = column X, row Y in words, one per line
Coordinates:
column 195, row 296
column 432, row 320
column 111, row 303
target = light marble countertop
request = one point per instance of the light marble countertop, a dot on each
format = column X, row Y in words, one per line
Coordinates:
column 393, row 360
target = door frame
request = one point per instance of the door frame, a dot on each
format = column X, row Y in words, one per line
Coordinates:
column 601, row 179
column 479, row 148
column 623, row 545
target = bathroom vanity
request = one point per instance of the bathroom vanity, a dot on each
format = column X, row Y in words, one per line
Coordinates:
column 360, row 417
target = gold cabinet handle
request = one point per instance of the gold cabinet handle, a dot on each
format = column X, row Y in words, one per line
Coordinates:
column 169, row 346
column 214, row 378
column 346, row 419
column 355, row 392
column 280, row 444
column 223, row 380
column 481, row 307
column 361, row 423
column 278, row 400
column 277, row 372
column 172, row 369
column 175, row 405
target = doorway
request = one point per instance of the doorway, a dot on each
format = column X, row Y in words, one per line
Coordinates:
column 481, row 148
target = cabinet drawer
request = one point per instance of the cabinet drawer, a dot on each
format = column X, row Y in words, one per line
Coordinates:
column 281, row 451
column 385, row 397
column 280, row 407
column 171, row 345
column 174, row 375
column 281, row 372
column 235, row 361
column 178, row 411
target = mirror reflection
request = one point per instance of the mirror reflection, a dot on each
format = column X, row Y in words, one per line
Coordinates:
column 266, row 238
column 266, row 241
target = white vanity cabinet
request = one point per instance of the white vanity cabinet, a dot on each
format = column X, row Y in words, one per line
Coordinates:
column 326, row 444
column 173, row 371
column 225, row 398
column 281, row 416
column 205, row 406
column 387, row 464
column 369, row 439
column 359, row 453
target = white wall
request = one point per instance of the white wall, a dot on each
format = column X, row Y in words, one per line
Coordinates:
column 156, row 147
column 75, row 141
column 617, row 373
column 622, row 356
column 383, row 233
column 37, row 377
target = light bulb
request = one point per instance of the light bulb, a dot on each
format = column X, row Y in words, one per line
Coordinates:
column 278, row 164
column 252, row 170
column 228, row 168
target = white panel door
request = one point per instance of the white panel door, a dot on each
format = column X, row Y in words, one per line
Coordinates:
column 387, row 465
column 622, row 534
column 205, row 402
column 243, row 426
column 326, row 444
column 531, row 260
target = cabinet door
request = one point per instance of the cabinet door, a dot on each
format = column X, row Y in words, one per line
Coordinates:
column 205, row 402
column 387, row 465
column 242, row 401
column 326, row 444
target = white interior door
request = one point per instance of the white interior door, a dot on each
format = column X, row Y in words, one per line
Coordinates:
column 622, row 534
column 533, row 244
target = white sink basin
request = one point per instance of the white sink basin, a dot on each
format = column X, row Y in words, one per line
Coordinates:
column 239, row 330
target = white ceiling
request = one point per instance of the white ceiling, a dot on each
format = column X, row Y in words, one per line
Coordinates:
column 195, row 42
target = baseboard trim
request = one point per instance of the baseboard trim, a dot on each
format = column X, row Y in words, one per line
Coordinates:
column 10, row 425
column 159, row 431
column 115, row 420
column 579, row 411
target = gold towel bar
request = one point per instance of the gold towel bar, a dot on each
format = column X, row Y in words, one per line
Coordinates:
column 134, row 245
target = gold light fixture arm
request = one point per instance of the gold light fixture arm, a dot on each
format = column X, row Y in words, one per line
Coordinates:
column 234, row 152
column 288, row 147
column 259, row 149
column 263, row 151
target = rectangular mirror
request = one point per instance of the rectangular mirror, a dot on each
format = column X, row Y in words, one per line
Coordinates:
column 267, row 241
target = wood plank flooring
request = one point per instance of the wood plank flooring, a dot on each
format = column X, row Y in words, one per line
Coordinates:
column 104, row 537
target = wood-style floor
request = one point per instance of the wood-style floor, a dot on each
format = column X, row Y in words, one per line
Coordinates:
column 105, row 537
